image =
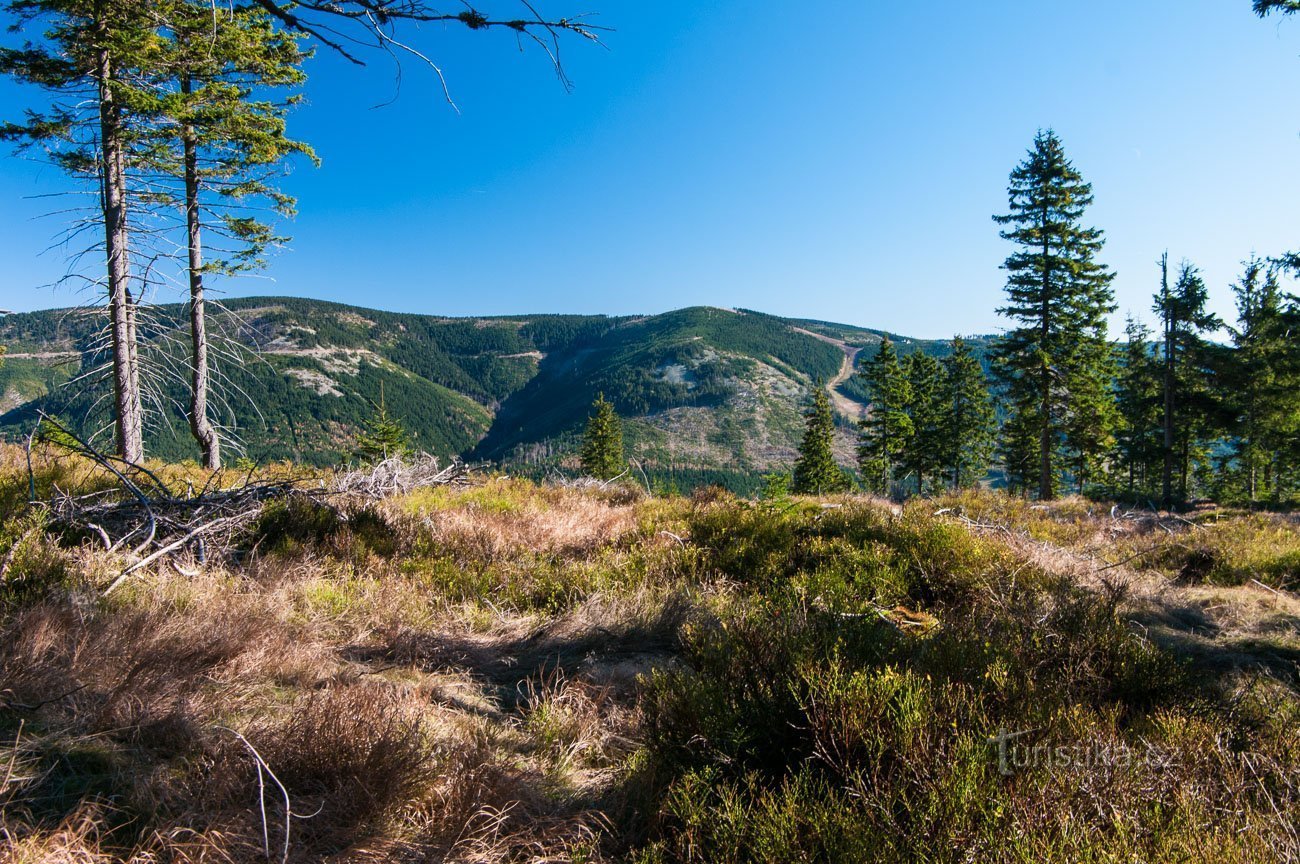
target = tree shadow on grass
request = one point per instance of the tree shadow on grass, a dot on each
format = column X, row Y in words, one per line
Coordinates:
column 609, row 653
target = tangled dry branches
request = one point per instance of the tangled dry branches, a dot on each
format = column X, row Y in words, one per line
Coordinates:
column 143, row 517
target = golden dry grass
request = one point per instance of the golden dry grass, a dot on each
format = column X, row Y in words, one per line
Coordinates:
column 478, row 675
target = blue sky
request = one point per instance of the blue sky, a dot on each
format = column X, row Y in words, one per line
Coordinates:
column 836, row 160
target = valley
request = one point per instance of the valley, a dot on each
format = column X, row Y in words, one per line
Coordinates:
column 708, row 395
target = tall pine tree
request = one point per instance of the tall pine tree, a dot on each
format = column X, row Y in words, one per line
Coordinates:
column 602, row 444
column 95, row 60
column 815, row 471
column 1137, row 389
column 223, row 145
column 922, row 455
column 969, row 422
column 1058, row 295
column 1260, row 386
column 1183, row 319
column 887, row 427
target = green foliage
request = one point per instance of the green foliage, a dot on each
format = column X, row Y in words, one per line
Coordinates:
column 212, row 94
column 1286, row 7
column 602, row 444
column 1234, row 551
column 929, row 418
column 382, row 436
column 927, row 408
column 1018, row 447
column 1054, row 364
column 810, row 725
column 1138, row 401
column 816, row 472
column 31, row 565
column 969, row 421
column 888, row 426
column 1259, row 390
column 1186, row 405
column 776, row 488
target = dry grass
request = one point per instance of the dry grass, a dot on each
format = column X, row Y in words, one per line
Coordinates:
column 409, row 723
column 497, row 521
column 484, row 675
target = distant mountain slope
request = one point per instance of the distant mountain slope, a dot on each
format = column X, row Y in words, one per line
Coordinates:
column 707, row 394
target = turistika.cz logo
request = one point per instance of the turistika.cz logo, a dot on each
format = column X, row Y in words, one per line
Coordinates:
column 1016, row 753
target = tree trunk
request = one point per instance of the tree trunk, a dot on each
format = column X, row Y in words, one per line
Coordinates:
column 1167, row 475
column 204, row 432
column 1185, row 467
column 1046, row 486
column 129, row 423
column 1167, row 481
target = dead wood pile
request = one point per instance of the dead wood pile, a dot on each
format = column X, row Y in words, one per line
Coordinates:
column 148, row 520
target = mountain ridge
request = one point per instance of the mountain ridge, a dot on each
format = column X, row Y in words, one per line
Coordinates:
column 707, row 394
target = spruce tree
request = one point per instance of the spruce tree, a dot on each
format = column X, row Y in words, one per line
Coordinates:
column 222, row 144
column 1058, row 296
column 1260, row 384
column 94, row 61
column 1183, row 319
column 815, row 471
column 1138, row 399
column 1090, row 417
column 970, row 422
column 602, row 444
column 887, row 427
column 1018, row 442
column 382, row 436
column 922, row 455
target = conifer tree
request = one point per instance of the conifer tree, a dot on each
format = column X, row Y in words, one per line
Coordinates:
column 90, row 56
column 815, row 471
column 887, row 426
column 1090, row 417
column 969, row 423
column 602, row 444
column 382, row 436
column 1138, row 400
column 1018, row 450
column 223, row 145
column 1183, row 319
column 1058, row 296
column 1260, row 386
column 922, row 455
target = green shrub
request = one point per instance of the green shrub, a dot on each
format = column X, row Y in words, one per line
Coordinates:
column 296, row 524
column 31, row 565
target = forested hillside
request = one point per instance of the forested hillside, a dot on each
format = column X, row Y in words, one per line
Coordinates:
column 710, row 395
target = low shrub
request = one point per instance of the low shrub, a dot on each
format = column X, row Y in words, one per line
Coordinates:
column 1233, row 551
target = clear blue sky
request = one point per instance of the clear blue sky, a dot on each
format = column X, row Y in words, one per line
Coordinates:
column 838, row 160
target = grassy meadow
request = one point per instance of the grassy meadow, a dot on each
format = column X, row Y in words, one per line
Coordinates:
column 519, row 672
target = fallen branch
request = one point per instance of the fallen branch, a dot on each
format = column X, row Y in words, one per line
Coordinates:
column 169, row 548
column 262, row 766
column 212, row 519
